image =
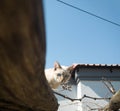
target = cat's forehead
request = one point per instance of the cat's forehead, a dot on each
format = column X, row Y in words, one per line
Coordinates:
column 65, row 67
column 62, row 70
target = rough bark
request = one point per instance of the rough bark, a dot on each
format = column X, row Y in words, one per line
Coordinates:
column 23, row 86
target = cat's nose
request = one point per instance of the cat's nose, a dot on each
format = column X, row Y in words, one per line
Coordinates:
column 59, row 75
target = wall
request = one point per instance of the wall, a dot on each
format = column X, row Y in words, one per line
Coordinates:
column 65, row 104
column 94, row 89
column 89, row 83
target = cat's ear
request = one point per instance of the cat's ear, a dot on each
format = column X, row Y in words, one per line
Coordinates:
column 71, row 68
column 57, row 65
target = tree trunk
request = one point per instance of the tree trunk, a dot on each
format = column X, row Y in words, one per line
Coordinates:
column 23, row 86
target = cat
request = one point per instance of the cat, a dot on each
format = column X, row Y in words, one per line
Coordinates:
column 57, row 76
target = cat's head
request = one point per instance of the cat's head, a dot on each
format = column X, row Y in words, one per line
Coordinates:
column 61, row 74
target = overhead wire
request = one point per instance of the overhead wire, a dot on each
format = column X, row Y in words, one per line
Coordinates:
column 99, row 17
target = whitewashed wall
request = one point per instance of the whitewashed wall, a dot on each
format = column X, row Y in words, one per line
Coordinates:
column 65, row 104
column 89, row 83
column 94, row 89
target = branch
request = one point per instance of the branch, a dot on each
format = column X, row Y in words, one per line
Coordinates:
column 66, row 96
column 109, row 85
column 95, row 98
column 84, row 96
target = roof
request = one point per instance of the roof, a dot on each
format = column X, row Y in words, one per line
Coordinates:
column 111, row 71
column 77, row 66
column 96, row 65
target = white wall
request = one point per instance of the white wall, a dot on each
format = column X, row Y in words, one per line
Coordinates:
column 90, row 84
column 65, row 104
column 94, row 89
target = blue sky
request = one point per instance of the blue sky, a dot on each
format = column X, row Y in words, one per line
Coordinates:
column 74, row 36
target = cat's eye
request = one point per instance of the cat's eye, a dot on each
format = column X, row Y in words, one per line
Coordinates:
column 59, row 74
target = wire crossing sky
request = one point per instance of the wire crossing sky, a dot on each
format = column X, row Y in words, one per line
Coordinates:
column 89, row 13
column 82, row 31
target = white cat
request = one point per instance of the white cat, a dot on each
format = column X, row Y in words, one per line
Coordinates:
column 57, row 76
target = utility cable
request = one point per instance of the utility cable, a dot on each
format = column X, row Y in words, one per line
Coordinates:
column 89, row 13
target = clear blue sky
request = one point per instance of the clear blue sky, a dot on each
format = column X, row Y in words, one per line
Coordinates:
column 74, row 36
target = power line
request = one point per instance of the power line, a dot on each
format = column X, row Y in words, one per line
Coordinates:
column 89, row 13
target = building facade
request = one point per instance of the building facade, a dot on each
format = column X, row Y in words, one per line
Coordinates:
column 88, row 87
